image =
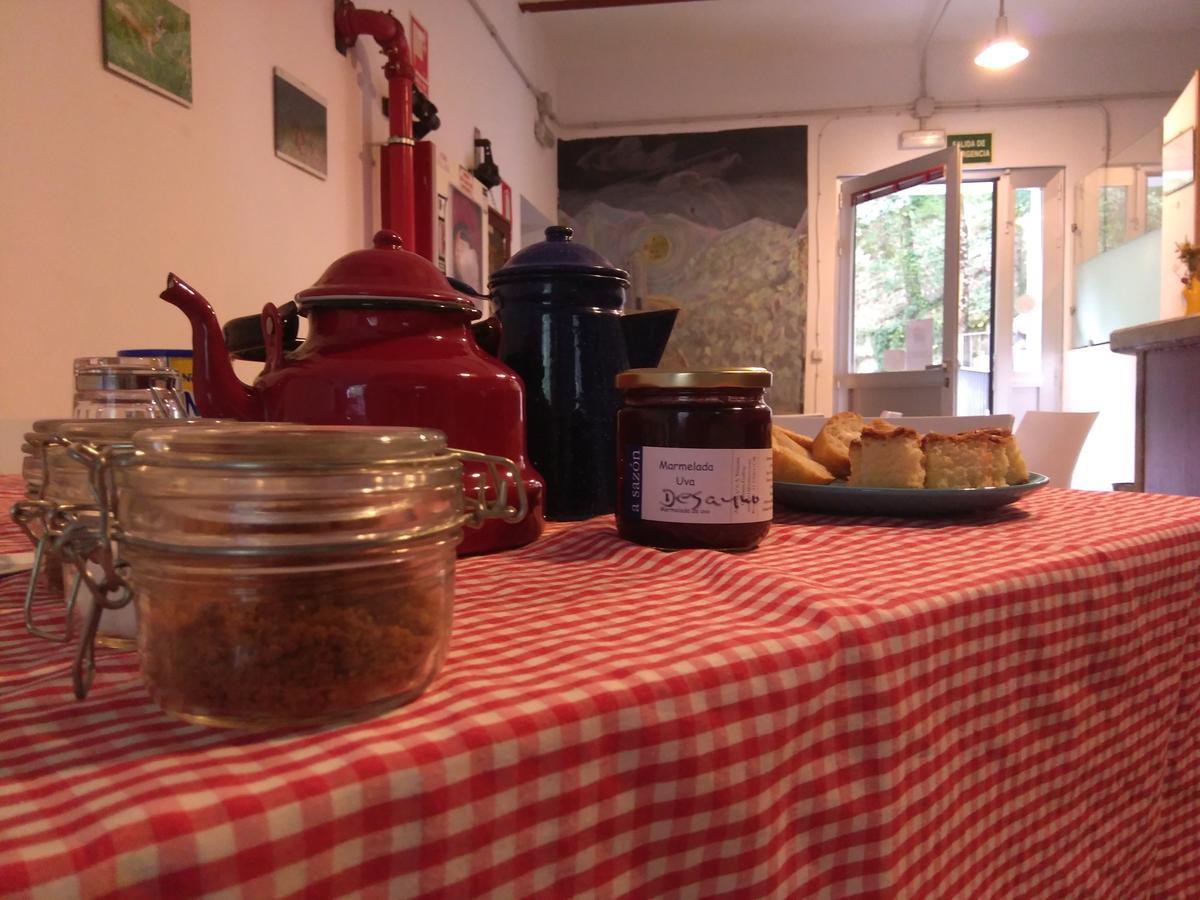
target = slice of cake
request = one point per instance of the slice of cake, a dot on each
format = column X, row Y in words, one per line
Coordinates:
column 973, row 459
column 887, row 456
column 831, row 446
column 792, row 462
column 1017, row 472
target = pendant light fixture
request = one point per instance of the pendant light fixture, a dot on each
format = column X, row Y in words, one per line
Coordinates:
column 1004, row 51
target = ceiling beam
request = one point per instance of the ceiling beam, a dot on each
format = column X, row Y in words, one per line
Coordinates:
column 567, row 5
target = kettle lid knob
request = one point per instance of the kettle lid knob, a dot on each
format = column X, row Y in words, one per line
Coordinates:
column 388, row 240
column 559, row 233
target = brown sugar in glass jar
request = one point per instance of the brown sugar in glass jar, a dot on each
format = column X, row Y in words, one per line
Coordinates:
column 291, row 574
column 694, row 458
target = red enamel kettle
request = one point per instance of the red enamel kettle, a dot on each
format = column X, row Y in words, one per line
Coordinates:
column 389, row 343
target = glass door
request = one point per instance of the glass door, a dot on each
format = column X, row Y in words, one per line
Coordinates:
column 1027, row 355
column 899, row 310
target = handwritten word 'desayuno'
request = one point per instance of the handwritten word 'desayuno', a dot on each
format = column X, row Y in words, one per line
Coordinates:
column 694, row 500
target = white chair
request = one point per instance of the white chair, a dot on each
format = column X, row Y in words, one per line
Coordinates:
column 1051, row 441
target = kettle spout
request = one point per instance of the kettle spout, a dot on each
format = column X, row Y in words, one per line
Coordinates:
column 219, row 392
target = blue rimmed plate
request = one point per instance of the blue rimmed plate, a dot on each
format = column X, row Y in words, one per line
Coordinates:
column 840, row 498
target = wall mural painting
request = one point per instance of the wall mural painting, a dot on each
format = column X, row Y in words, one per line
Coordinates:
column 713, row 223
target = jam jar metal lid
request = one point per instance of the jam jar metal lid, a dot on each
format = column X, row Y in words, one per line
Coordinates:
column 749, row 377
column 558, row 256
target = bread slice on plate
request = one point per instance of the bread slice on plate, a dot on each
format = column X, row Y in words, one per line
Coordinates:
column 802, row 439
column 885, row 456
column 831, row 446
column 792, row 462
column 1017, row 472
column 973, row 459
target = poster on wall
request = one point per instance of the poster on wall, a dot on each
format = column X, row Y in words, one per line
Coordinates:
column 300, row 130
column 499, row 239
column 466, row 239
column 714, row 224
column 150, row 42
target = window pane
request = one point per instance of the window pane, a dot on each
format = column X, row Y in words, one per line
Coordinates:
column 899, row 250
column 1114, row 207
column 1154, row 185
column 1028, row 262
column 977, row 248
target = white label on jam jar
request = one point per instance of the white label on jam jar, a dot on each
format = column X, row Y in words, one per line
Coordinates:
column 679, row 484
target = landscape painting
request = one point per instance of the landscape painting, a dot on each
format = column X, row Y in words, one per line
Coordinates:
column 300, row 129
column 150, row 42
column 714, row 223
column 466, row 239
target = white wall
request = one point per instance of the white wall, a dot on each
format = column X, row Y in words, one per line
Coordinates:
column 1179, row 217
column 107, row 186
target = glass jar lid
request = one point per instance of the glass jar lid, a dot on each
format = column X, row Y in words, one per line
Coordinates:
column 102, row 432
column 255, row 444
column 749, row 377
column 124, row 373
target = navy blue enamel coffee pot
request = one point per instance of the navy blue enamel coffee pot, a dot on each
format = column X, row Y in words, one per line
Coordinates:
column 560, row 306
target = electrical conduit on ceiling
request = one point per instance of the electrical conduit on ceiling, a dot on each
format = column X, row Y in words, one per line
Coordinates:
column 543, row 99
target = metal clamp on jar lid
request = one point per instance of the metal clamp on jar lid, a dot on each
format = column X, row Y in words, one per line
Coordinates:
column 286, row 574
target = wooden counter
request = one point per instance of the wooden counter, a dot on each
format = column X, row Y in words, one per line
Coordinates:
column 1168, row 403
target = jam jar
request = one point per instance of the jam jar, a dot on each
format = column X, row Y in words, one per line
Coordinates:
column 694, row 458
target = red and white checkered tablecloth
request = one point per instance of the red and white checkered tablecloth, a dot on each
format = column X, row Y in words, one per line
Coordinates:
column 997, row 707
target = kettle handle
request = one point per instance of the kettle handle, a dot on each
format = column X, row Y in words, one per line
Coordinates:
column 272, row 331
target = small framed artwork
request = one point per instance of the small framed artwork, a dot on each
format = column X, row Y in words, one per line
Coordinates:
column 466, row 239
column 150, row 42
column 300, row 129
column 441, row 232
column 499, row 239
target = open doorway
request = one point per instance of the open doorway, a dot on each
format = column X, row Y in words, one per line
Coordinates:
column 981, row 334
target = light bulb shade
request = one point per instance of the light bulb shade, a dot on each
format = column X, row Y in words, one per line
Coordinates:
column 1000, row 54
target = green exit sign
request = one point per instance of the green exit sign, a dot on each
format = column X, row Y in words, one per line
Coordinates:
column 976, row 148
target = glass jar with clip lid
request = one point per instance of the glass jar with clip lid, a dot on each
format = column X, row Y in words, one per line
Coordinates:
column 60, row 498
column 286, row 574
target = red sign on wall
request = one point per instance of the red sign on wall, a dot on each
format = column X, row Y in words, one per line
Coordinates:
column 418, row 41
column 506, row 200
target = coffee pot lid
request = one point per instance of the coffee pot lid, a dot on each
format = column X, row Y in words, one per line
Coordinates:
column 557, row 256
column 384, row 276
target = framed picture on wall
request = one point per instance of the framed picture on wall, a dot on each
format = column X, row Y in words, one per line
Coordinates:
column 466, row 239
column 300, row 129
column 499, row 240
column 150, row 42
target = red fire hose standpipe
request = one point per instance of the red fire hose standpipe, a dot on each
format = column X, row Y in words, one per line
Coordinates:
column 396, row 176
